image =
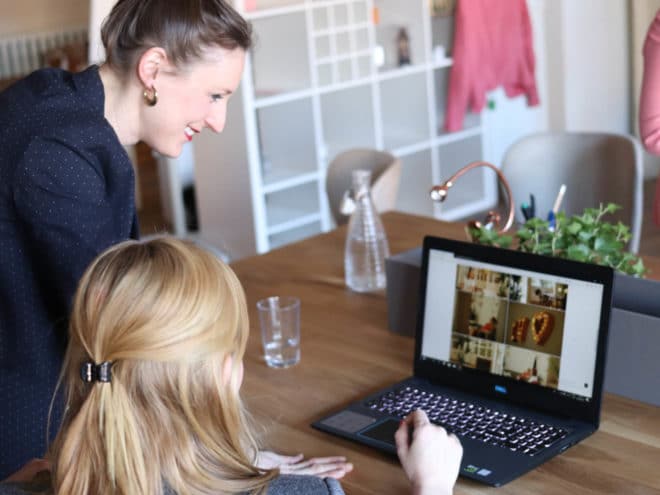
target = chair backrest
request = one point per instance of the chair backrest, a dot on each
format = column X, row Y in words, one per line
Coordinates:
column 385, row 178
column 596, row 168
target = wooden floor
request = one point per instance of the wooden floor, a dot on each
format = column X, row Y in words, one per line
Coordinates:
column 152, row 220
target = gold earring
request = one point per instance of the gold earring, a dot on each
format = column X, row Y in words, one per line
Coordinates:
column 150, row 99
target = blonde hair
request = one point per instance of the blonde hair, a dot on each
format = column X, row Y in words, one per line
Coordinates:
column 168, row 315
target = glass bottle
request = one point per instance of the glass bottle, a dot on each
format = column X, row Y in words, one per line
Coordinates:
column 366, row 242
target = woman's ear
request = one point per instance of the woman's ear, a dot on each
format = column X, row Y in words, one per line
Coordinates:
column 150, row 62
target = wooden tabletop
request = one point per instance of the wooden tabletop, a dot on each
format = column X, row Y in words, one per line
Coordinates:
column 348, row 352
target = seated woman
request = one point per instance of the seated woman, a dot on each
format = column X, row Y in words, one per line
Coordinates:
column 152, row 374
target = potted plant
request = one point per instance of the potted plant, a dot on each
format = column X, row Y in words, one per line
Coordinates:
column 632, row 365
column 587, row 237
column 590, row 238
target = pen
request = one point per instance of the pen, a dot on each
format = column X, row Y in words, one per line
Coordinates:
column 552, row 222
column 558, row 200
column 525, row 208
column 532, row 206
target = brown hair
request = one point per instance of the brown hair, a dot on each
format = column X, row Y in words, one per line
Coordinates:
column 168, row 315
column 182, row 27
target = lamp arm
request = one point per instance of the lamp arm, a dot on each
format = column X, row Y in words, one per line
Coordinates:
column 439, row 193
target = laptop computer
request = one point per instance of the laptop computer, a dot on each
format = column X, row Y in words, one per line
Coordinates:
column 509, row 356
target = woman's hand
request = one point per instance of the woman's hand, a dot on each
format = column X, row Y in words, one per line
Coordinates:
column 323, row 467
column 29, row 471
column 430, row 458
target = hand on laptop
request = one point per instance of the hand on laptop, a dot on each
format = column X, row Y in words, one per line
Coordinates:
column 323, row 467
column 429, row 456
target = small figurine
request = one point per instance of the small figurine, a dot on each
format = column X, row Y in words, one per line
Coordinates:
column 403, row 47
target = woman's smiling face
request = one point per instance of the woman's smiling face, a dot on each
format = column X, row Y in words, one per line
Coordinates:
column 191, row 99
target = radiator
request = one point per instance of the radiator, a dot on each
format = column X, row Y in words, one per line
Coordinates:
column 22, row 53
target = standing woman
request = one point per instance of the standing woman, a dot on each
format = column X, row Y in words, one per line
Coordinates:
column 67, row 185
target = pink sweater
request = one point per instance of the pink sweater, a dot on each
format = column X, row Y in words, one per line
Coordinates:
column 492, row 47
column 649, row 104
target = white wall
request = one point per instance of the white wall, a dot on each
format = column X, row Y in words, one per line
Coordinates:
column 28, row 16
column 583, row 65
column 98, row 10
column 588, row 49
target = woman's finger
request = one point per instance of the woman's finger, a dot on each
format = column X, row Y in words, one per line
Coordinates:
column 319, row 461
column 322, row 469
column 402, row 438
column 290, row 459
column 418, row 418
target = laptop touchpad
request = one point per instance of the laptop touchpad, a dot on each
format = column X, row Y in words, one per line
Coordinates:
column 383, row 432
column 348, row 421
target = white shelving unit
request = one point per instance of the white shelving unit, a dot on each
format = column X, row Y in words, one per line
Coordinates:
column 312, row 89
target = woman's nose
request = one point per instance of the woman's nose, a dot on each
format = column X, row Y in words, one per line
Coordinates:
column 216, row 118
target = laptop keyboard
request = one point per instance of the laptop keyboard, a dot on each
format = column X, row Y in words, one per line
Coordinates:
column 471, row 420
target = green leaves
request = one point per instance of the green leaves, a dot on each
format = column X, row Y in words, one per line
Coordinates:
column 586, row 238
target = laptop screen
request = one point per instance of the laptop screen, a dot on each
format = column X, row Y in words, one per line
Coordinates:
column 514, row 322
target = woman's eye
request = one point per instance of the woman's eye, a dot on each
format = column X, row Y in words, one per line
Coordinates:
column 216, row 97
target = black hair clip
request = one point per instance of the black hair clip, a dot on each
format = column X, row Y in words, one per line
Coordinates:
column 90, row 372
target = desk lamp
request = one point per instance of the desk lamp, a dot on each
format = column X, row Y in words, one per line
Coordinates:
column 492, row 220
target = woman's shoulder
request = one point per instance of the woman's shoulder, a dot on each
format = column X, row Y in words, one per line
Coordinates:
column 30, row 488
column 52, row 100
column 308, row 485
column 12, row 489
column 288, row 484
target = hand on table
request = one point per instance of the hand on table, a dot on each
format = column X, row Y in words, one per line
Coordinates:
column 430, row 458
column 323, row 467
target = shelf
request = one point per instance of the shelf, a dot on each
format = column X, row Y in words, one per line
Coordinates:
column 288, row 150
column 416, row 181
column 443, row 63
column 395, row 15
column 313, row 90
column 287, row 178
column 451, row 137
column 295, row 224
column 342, row 53
column 293, row 235
column 347, row 56
column 285, row 209
column 442, row 33
column 403, row 71
column 412, row 148
column 339, row 15
column 341, row 29
column 282, row 64
column 270, row 8
column 404, row 104
column 348, row 120
column 262, row 100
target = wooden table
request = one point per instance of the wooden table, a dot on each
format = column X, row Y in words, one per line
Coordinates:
column 347, row 352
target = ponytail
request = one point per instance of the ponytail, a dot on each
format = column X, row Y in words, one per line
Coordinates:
column 167, row 315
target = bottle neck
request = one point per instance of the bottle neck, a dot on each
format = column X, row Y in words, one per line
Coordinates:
column 361, row 184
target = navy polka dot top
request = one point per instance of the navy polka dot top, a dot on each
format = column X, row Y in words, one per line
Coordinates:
column 66, row 194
